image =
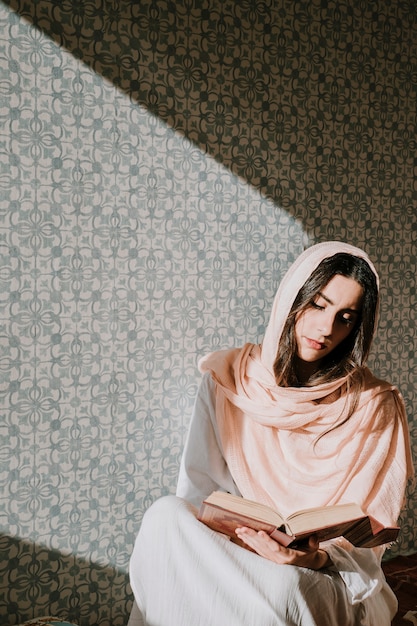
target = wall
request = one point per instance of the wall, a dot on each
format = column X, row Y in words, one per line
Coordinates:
column 161, row 166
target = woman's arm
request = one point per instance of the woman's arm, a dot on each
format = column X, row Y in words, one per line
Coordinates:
column 203, row 468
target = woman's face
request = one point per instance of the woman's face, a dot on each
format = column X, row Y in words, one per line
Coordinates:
column 327, row 321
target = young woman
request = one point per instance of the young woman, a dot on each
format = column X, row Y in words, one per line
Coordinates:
column 296, row 422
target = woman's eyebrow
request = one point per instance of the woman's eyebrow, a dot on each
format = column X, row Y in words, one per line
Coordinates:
column 347, row 310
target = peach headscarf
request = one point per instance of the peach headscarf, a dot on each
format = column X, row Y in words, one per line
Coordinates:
column 269, row 433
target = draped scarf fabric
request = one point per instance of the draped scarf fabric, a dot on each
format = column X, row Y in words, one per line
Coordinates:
column 270, row 434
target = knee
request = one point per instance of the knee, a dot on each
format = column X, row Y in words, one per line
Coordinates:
column 162, row 506
column 168, row 507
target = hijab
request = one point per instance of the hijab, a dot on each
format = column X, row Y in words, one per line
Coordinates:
column 270, row 435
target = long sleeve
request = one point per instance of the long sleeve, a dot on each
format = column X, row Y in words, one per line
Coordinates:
column 203, row 468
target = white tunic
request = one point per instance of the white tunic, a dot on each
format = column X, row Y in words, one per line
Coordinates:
column 184, row 574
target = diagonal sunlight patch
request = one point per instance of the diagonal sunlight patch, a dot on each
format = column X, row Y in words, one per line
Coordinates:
column 127, row 253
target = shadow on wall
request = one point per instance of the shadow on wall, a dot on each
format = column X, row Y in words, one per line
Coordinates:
column 46, row 582
column 180, row 63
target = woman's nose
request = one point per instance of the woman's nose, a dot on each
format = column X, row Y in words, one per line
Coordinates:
column 326, row 325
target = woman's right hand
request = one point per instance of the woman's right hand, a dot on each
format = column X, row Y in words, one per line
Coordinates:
column 313, row 557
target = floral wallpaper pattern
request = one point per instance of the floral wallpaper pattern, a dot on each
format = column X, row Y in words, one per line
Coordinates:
column 161, row 165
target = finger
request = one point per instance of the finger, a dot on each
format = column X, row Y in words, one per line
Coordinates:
column 313, row 542
column 245, row 533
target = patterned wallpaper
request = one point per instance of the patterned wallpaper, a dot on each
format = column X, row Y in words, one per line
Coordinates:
column 161, row 165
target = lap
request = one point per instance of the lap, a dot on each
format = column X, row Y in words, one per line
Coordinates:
column 183, row 573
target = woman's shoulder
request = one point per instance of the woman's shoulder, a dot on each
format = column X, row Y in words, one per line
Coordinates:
column 207, row 383
column 383, row 392
column 218, row 360
column 374, row 381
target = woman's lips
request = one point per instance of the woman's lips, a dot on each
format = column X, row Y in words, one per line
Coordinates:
column 316, row 345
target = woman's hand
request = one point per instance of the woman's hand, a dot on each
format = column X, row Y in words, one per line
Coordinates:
column 312, row 557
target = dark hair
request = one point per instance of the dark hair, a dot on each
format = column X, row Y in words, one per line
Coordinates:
column 350, row 355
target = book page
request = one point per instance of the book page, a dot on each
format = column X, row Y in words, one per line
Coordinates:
column 247, row 508
column 310, row 519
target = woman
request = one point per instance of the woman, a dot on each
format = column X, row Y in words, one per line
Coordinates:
column 298, row 421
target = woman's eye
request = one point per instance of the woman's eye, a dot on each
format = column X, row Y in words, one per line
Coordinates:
column 316, row 305
column 347, row 321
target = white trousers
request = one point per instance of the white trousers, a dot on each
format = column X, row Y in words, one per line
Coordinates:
column 184, row 574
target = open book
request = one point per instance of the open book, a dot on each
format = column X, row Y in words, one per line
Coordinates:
column 224, row 512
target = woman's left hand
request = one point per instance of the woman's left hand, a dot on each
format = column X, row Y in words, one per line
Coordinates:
column 312, row 557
